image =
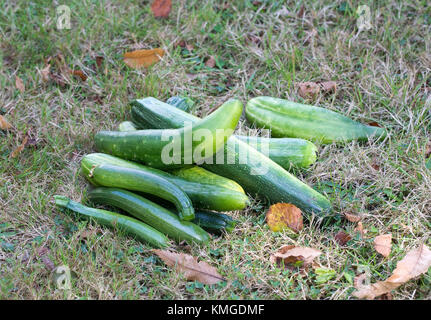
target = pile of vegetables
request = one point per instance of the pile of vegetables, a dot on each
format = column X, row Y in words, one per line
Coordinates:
column 181, row 200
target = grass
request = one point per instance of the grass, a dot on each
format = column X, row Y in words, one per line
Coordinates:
column 383, row 75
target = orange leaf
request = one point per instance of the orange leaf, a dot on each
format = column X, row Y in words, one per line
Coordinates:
column 383, row 245
column 19, row 84
column 19, row 149
column 161, row 8
column 79, row 73
column 4, row 124
column 143, row 58
column 284, row 215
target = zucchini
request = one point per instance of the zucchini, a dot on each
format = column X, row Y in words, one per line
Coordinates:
column 214, row 222
column 108, row 175
column 290, row 119
column 126, row 126
column 208, row 193
column 277, row 185
column 287, row 152
column 151, row 213
column 175, row 147
column 181, row 103
column 128, row 225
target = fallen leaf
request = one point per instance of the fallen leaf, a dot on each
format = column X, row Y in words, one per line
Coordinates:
column 189, row 265
column 383, row 244
column 374, row 124
column 374, row 165
column 161, row 8
column 19, row 84
column 99, row 61
column 428, row 149
column 416, row 262
column 308, row 89
column 301, row 12
column 46, row 73
column 210, row 63
column 4, row 124
column 292, row 256
column 360, row 228
column 21, row 147
column 284, row 215
column 143, row 58
column 328, row 86
column 342, row 238
column 79, row 73
column 352, row 217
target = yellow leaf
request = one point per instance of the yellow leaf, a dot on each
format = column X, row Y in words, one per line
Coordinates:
column 4, row 124
column 143, row 58
column 284, row 215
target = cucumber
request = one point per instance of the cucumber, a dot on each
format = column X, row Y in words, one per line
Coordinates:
column 214, row 222
column 127, row 126
column 128, row 225
column 108, row 175
column 176, row 147
column 151, row 213
column 205, row 192
column 277, row 185
column 290, row 119
column 287, row 152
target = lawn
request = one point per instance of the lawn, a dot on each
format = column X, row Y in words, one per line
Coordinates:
column 260, row 48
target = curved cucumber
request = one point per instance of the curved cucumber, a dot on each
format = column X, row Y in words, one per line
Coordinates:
column 151, row 213
column 290, row 119
column 276, row 184
column 211, row 193
column 108, row 175
column 129, row 225
column 174, row 147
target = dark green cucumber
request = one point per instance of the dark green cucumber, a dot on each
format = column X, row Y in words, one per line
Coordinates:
column 109, row 175
column 276, row 184
column 128, row 225
column 174, row 147
column 290, row 119
column 214, row 222
column 204, row 191
column 127, row 126
column 151, row 213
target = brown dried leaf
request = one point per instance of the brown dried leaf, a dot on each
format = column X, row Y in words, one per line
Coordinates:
column 383, row 244
column 360, row 228
column 161, row 8
column 210, row 63
column 19, row 149
column 352, row 217
column 46, row 73
column 328, row 86
column 143, row 58
column 189, row 265
column 342, row 238
column 301, row 12
column 99, row 61
column 428, row 149
column 79, row 73
column 4, row 124
column 284, row 215
column 416, row 262
column 19, row 84
column 292, row 255
column 308, row 89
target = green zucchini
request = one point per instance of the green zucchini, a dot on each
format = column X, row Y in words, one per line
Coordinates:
column 287, row 152
column 174, row 147
column 109, row 175
column 128, row 225
column 214, row 222
column 290, row 119
column 203, row 189
column 151, row 213
column 276, row 184
column 181, row 103
column 127, row 126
